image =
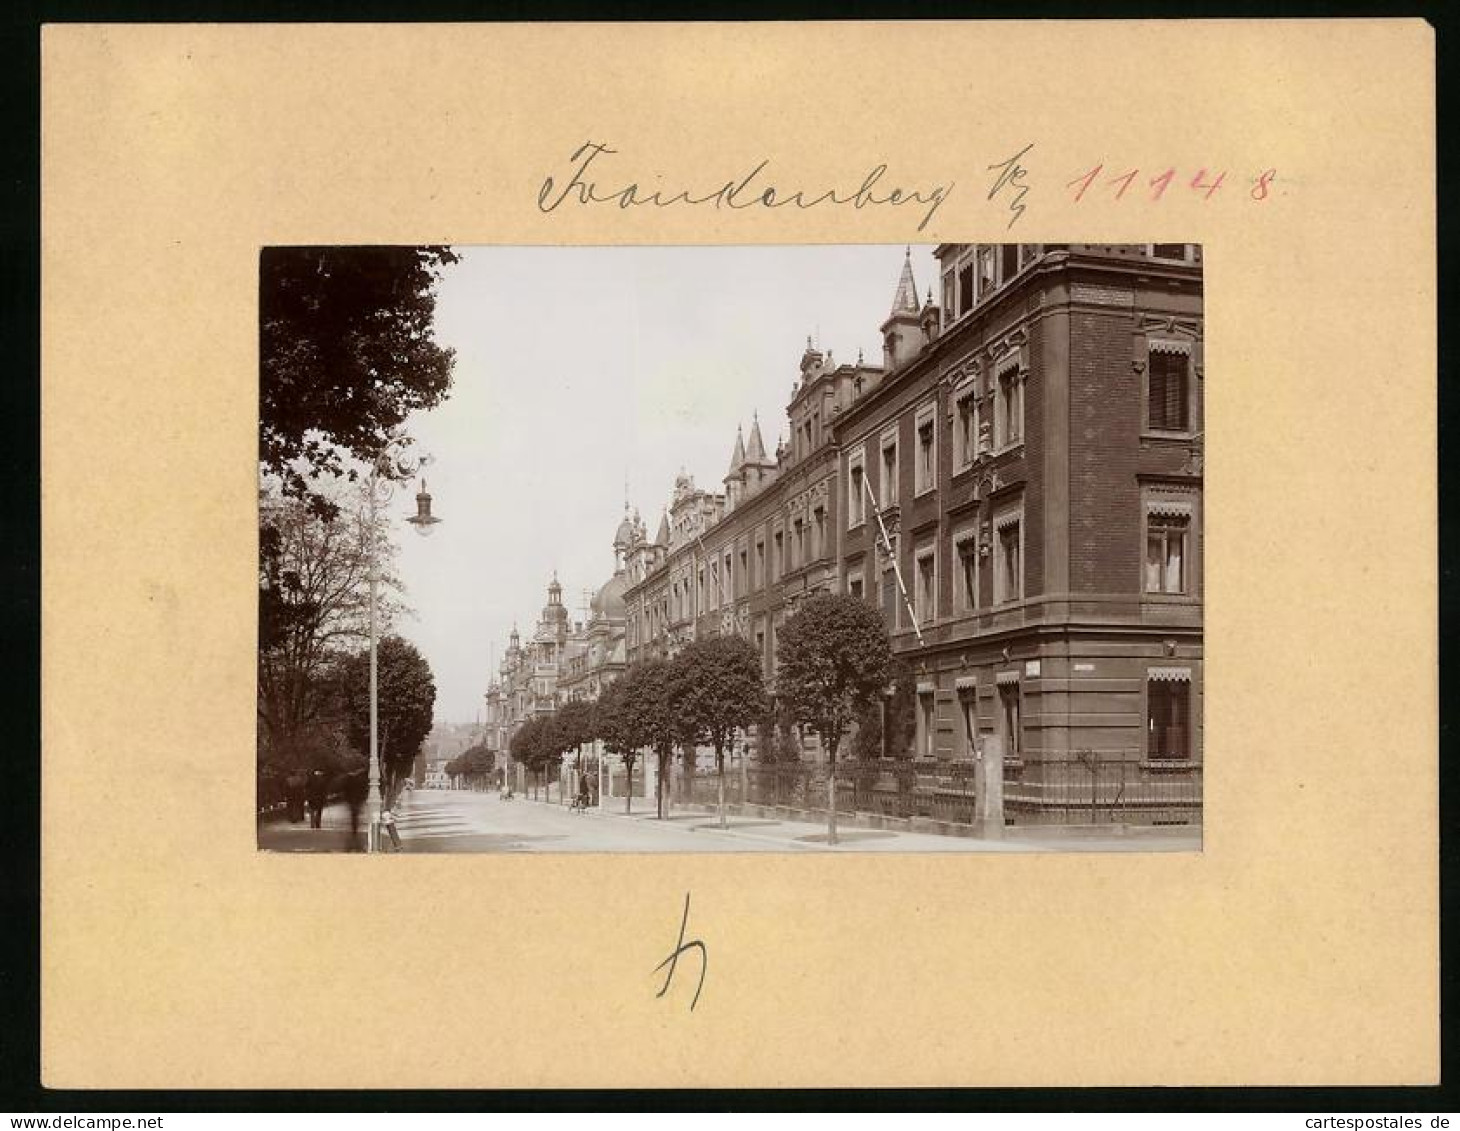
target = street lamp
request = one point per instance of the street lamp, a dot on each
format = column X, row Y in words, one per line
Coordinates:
column 389, row 466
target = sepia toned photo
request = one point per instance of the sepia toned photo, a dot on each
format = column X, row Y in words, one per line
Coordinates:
column 731, row 549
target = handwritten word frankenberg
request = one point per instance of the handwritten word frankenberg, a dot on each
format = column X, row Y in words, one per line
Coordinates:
column 748, row 191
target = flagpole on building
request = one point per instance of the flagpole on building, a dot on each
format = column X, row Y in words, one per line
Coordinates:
column 896, row 569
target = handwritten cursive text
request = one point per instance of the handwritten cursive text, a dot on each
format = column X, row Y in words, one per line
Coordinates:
column 751, row 190
column 680, row 948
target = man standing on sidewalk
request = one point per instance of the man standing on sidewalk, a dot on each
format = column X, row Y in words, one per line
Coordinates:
column 316, row 793
column 356, row 788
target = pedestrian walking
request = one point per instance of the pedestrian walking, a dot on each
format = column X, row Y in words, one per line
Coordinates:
column 294, row 795
column 316, row 792
column 356, row 789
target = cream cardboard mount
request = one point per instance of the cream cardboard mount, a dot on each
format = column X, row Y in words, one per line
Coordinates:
column 1299, row 947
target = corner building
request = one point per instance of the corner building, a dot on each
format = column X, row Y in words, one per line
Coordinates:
column 1032, row 458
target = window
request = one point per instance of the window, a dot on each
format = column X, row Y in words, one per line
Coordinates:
column 965, row 597
column 1009, row 406
column 760, row 563
column 1168, row 251
column 1009, row 718
column 714, row 584
column 968, row 712
column 888, row 484
column 1166, row 569
column 927, row 721
column 1166, row 388
column 778, row 555
column 965, row 288
column 926, row 472
column 856, row 493
column 889, row 598
column 950, row 296
column 1008, row 566
column 854, row 586
column 965, row 429
column 744, row 571
column 925, row 594
column 986, row 278
column 1028, row 253
column 818, row 532
column 798, row 544
column 700, row 594
column 1168, row 714
column 725, row 580
column 1008, row 261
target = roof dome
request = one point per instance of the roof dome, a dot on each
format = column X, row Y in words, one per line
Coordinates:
column 609, row 600
column 624, row 536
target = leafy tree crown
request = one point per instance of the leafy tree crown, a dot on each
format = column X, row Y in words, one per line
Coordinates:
column 716, row 688
column 835, row 658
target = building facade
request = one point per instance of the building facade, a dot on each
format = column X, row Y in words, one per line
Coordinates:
column 1017, row 487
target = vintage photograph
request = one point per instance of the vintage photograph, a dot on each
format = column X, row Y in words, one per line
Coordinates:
column 731, row 549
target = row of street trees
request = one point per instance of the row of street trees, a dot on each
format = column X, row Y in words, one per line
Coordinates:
column 474, row 767
column 835, row 661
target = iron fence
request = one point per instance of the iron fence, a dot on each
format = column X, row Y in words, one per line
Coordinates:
column 1086, row 788
column 1092, row 787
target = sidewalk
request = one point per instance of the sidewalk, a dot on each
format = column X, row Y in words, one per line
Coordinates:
column 276, row 833
column 801, row 835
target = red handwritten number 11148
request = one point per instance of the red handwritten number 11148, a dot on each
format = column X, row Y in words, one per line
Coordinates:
column 1204, row 182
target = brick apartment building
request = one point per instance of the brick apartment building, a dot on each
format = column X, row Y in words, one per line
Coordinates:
column 1033, row 459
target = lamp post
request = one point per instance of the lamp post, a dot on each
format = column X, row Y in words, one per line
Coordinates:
column 381, row 490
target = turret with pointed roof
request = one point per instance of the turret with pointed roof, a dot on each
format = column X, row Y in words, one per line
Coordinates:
column 735, row 477
column 755, row 451
column 902, row 332
column 759, row 468
column 737, row 457
column 905, row 300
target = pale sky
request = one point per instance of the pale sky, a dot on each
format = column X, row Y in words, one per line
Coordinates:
column 578, row 367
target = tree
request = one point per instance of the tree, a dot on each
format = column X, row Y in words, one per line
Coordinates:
column 615, row 726
column 574, row 726
column 641, row 713
column 716, row 688
column 406, row 700
column 475, row 764
column 835, row 660
column 345, row 356
column 901, row 716
column 313, row 610
column 775, row 738
column 649, row 700
column 530, row 746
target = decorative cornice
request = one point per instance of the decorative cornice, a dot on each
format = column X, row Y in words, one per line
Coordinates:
column 1168, row 324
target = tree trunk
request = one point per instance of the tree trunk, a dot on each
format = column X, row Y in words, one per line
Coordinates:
column 831, row 795
column 720, row 774
column 628, row 787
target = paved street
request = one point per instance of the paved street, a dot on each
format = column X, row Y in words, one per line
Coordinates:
column 463, row 821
